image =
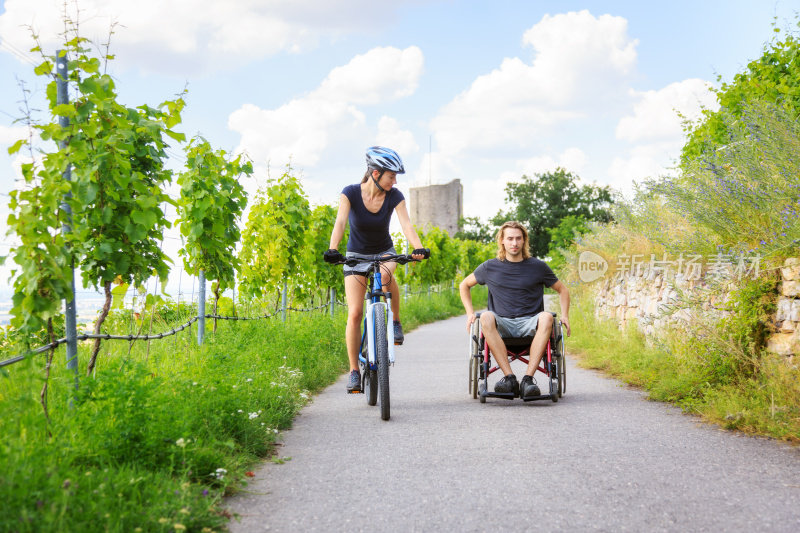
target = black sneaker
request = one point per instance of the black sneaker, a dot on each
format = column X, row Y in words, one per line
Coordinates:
column 354, row 381
column 398, row 333
column 528, row 388
column 507, row 384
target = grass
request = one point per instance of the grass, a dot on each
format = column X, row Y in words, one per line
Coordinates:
column 694, row 374
column 155, row 439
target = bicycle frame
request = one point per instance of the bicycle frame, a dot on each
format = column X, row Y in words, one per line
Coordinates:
column 373, row 298
column 379, row 343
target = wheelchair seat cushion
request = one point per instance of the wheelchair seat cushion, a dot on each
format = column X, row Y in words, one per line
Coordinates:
column 518, row 342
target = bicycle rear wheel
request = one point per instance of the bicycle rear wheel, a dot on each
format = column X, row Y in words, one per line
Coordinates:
column 382, row 358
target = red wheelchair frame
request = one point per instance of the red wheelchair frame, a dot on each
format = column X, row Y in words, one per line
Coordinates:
column 553, row 363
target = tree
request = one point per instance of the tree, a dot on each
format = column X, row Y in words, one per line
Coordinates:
column 472, row 229
column 542, row 202
column 272, row 242
column 212, row 201
column 322, row 275
column 772, row 78
column 117, row 158
column 562, row 237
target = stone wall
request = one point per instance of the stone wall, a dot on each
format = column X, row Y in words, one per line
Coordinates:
column 787, row 319
column 652, row 300
column 437, row 206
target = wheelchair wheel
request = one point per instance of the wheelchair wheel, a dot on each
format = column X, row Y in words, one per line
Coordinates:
column 559, row 358
column 480, row 393
column 474, row 361
column 473, row 376
column 562, row 369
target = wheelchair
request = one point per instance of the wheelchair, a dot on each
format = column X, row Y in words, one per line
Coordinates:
column 553, row 363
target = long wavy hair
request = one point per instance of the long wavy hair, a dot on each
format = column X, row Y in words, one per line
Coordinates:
column 501, row 252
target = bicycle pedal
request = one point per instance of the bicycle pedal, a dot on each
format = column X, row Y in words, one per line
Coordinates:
column 355, row 392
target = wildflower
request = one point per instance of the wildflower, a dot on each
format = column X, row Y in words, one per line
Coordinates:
column 248, row 380
column 207, row 530
column 179, row 527
column 219, row 473
column 239, row 411
column 194, row 384
column 184, row 511
column 180, row 443
column 89, row 473
column 253, row 415
column 185, row 485
column 163, row 520
column 66, row 484
column 250, row 474
column 205, row 492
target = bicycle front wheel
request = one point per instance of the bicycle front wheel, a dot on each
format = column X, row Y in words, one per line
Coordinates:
column 382, row 358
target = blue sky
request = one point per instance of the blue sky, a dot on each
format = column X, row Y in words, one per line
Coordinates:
column 475, row 90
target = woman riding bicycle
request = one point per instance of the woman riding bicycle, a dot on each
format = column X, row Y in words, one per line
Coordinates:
column 368, row 207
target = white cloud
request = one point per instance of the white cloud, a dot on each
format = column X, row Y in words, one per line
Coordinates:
column 656, row 113
column 572, row 159
column 184, row 36
column 645, row 161
column 309, row 126
column 11, row 134
column 380, row 75
column 581, row 64
column 574, row 47
column 392, row 135
column 298, row 131
column 435, row 168
column 655, row 130
column 483, row 198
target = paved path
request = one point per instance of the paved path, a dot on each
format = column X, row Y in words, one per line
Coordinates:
column 602, row 459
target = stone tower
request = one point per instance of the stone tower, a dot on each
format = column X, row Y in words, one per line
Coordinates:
column 438, row 205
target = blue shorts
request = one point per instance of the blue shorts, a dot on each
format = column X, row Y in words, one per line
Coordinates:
column 362, row 269
column 522, row 326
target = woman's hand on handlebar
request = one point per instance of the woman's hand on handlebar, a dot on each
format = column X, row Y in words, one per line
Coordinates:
column 333, row 256
column 421, row 253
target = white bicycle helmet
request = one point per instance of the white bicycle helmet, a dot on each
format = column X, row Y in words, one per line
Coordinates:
column 380, row 158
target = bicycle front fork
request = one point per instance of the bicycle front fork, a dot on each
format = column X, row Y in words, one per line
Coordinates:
column 386, row 309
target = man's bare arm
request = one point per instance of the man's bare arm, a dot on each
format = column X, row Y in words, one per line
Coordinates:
column 466, row 297
column 563, row 297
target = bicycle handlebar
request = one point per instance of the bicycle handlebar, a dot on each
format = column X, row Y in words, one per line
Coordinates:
column 401, row 259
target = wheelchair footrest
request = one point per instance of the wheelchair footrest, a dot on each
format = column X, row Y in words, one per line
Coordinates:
column 540, row 397
column 504, row 395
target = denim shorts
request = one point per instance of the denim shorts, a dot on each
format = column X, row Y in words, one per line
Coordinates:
column 522, row 326
column 362, row 269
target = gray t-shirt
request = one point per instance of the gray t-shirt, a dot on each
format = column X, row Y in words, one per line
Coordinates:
column 516, row 289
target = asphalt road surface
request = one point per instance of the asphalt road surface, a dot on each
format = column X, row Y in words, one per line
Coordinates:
column 603, row 458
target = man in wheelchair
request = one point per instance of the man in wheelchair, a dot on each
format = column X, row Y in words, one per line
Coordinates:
column 516, row 284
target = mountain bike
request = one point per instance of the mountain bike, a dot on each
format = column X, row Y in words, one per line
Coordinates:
column 376, row 352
